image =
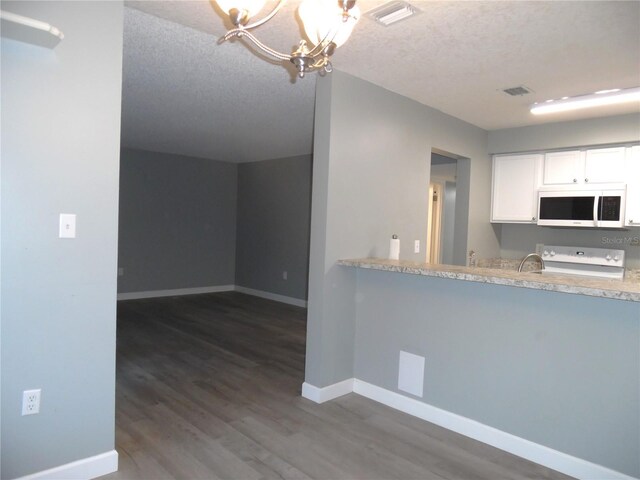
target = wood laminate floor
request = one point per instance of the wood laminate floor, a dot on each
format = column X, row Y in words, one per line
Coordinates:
column 208, row 387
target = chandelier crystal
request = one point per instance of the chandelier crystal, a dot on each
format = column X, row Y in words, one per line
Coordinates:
column 327, row 25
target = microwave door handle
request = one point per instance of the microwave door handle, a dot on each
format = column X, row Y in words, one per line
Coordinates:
column 596, row 201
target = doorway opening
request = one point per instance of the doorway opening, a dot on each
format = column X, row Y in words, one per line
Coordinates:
column 448, row 208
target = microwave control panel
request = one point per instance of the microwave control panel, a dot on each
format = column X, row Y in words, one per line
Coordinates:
column 609, row 208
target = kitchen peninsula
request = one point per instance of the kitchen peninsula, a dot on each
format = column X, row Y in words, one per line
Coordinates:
column 628, row 289
column 554, row 364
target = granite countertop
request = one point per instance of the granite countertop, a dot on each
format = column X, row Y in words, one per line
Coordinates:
column 627, row 289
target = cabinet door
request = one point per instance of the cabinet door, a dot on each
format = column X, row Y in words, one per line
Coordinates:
column 605, row 165
column 516, row 179
column 563, row 167
column 632, row 171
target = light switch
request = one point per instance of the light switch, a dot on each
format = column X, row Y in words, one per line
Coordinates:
column 67, row 225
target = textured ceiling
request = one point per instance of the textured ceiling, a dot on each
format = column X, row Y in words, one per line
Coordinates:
column 184, row 93
column 457, row 56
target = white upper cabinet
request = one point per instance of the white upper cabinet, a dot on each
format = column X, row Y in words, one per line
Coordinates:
column 632, row 213
column 516, row 179
column 575, row 167
column 563, row 167
column 605, row 165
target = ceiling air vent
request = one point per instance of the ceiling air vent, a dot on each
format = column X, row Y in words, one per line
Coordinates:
column 517, row 91
column 392, row 12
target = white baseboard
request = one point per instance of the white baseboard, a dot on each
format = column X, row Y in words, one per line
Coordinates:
column 535, row 452
column 175, row 292
column 219, row 288
column 548, row 457
column 85, row 469
column 272, row 296
column 324, row 394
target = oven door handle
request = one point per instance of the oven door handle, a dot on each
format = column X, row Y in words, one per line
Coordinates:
column 596, row 202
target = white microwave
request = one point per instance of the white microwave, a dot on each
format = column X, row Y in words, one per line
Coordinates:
column 582, row 208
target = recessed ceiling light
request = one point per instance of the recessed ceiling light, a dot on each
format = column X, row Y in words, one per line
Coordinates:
column 603, row 97
column 392, row 12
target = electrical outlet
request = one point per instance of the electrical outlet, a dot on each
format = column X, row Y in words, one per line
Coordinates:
column 67, row 228
column 539, row 248
column 120, row 271
column 416, row 246
column 31, row 402
column 284, row 275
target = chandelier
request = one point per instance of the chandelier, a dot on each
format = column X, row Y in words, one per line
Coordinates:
column 327, row 25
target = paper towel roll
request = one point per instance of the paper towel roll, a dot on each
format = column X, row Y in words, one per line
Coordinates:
column 394, row 248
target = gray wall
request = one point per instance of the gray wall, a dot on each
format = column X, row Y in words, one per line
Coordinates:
column 592, row 131
column 177, row 222
column 372, row 151
column 560, row 370
column 518, row 240
column 60, row 149
column 274, row 209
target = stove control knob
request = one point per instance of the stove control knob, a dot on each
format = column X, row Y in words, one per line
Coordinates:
column 608, row 257
column 552, row 253
column 545, row 253
column 616, row 258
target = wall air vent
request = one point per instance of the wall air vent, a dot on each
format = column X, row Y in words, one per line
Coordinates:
column 517, row 91
column 392, row 12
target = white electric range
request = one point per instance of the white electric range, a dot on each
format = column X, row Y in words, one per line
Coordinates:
column 587, row 261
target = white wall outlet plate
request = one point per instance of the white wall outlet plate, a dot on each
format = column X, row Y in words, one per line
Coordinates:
column 31, row 402
column 416, row 246
column 285, row 275
column 67, row 225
